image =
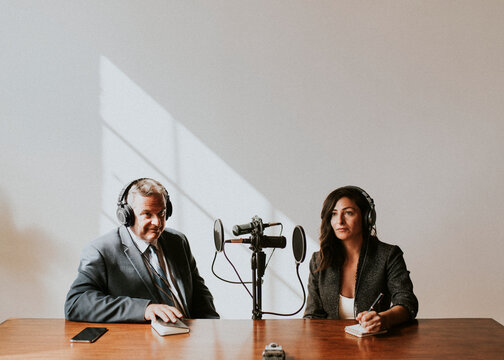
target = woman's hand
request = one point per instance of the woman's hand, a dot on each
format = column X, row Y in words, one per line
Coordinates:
column 371, row 321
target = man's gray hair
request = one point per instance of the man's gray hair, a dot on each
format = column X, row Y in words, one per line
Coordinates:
column 146, row 187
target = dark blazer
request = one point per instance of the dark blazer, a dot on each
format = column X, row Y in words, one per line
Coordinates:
column 113, row 284
column 381, row 268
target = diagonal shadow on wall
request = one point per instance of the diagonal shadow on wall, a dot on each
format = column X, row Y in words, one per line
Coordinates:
column 141, row 138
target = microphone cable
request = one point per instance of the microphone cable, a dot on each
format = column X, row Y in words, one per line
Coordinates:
column 225, row 280
column 304, row 298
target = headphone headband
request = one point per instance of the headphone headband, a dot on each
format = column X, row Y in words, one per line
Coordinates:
column 124, row 192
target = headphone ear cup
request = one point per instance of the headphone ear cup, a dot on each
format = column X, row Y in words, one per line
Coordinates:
column 169, row 207
column 365, row 220
column 125, row 215
column 371, row 219
column 120, row 214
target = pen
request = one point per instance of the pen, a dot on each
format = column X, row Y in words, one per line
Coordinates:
column 376, row 302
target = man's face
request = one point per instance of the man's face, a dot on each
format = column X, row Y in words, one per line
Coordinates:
column 150, row 212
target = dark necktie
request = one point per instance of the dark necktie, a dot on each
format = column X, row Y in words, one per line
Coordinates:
column 160, row 280
column 159, row 277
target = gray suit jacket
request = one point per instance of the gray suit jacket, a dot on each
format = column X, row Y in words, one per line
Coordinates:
column 113, row 284
column 381, row 268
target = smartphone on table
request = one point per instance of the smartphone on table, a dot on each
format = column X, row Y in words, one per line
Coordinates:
column 89, row 334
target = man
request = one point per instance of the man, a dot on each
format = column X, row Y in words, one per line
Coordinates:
column 140, row 270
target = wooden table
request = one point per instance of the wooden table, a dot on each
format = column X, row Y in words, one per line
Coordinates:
column 246, row 339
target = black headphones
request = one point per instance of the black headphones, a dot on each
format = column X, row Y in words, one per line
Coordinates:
column 124, row 211
column 369, row 217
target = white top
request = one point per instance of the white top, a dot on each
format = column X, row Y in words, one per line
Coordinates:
column 346, row 307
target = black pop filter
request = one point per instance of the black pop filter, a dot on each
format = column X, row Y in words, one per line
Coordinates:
column 299, row 244
column 218, row 234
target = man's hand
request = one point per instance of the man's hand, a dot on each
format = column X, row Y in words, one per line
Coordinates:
column 165, row 312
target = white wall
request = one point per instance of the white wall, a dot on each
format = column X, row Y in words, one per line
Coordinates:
column 255, row 107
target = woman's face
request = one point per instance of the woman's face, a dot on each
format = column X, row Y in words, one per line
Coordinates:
column 346, row 220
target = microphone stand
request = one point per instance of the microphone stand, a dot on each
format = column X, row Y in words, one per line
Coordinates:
column 258, row 263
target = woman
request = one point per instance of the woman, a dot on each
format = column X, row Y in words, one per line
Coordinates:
column 353, row 267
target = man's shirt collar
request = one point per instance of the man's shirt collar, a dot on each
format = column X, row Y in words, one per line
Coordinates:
column 142, row 245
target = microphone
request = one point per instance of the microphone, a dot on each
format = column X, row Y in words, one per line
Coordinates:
column 273, row 242
column 247, row 228
column 264, row 241
column 239, row 241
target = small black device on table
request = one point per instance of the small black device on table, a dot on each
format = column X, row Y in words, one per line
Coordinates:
column 89, row 334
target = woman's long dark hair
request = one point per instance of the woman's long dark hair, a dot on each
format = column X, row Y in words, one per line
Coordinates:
column 332, row 252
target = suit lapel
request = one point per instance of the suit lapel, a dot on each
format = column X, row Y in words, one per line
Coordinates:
column 333, row 282
column 135, row 257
